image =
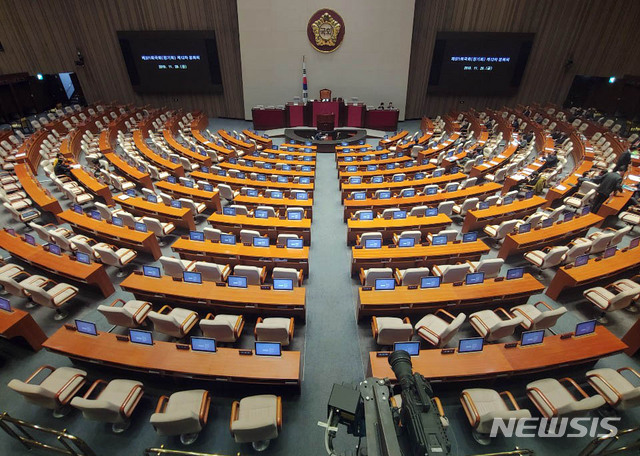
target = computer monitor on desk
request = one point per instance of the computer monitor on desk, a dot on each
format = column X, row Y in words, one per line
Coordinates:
column 5, row 305
column 117, row 221
column 192, row 277
column 237, row 282
column 55, row 249
column 86, row 327
column 472, row 236
column 373, row 243
column 359, row 196
column 411, row 347
column 260, row 241
column 582, row 260
column 406, row 242
column 228, row 239
column 176, row 204
column 152, row 198
column 142, row 227
column 524, row 228
column 440, row 239
column 532, row 337
column 29, row 239
column 366, row 215
column 515, row 273
column 138, row 336
column 431, row 212
column 471, row 345
column 634, row 243
column 268, row 349
column 95, row 215
column 151, row 271
column 261, row 214
column 228, row 211
column 203, row 344
column 196, row 236
column 610, row 251
column 294, row 243
column 385, row 284
column 283, row 284
column 83, row 258
column 474, row 278
column 584, row 328
column 400, row 215
column 430, row 282
column 546, row 223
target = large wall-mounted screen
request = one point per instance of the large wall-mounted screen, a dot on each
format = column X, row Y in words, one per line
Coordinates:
column 472, row 63
column 172, row 61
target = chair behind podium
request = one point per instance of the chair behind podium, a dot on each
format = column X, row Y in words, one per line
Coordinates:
column 325, row 94
column 326, row 122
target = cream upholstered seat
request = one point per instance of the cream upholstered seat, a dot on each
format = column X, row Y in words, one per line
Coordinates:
column 114, row 404
column 364, row 237
column 499, row 232
column 451, row 272
column 296, row 275
column 440, row 327
column 246, row 236
column 118, row 258
column 418, row 211
column 546, row 258
column 44, row 233
column 212, row 272
column 603, row 239
column 271, row 212
column 15, row 284
column 489, row 325
column 175, row 323
column 614, row 388
column 283, row 237
column 299, row 210
column 196, row 208
column 387, row 213
column 467, row 205
column 130, row 314
column 55, row 391
column 212, row 234
column 632, row 218
column 22, row 216
column 175, row 267
column 254, row 274
column 416, row 235
column 553, row 399
column 411, row 276
column 160, row 229
column 534, row 318
column 369, row 276
column 490, row 267
column 483, row 406
column 579, row 201
column 607, row 301
column 50, row 296
column 256, row 419
column 446, row 207
column 389, row 330
column 450, row 234
column 274, row 329
column 184, row 413
column 554, row 214
column 226, row 192
column 577, row 248
column 11, row 270
column 222, row 327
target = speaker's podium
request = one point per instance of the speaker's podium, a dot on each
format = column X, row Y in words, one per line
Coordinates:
column 326, row 122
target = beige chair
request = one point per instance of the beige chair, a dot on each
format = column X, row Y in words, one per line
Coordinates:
column 44, row 232
column 130, row 314
column 160, row 229
column 53, row 296
column 534, row 318
column 84, row 245
column 16, row 282
column 175, row 267
column 416, row 235
column 22, row 216
column 212, row 234
column 491, row 267
column 553, row 399
column 579, row 201
column 484, row 406
column 184, row 413
column 114, row 404
column 450, row 234
column 499, row 232
column 439, row 328
column 254, row 274
column 246, row 236
column 601, row 240
column 364, row 237
column 466, row 206
column 614, row 388
column 296, row 275
column 451, row 272
column 368, row 277
column 282, row 238
column 256, row 419
column 175, row 323
column 411, row 276
column 112, row 257
column 222, row 327
column 547, row 257
column 633, row 218
column 196, row 208
column 271, row 212
column 607, row 301
column 55, row 391
column 389, row 330
column 489, row 325
column 274, row 329
column 577, row 248
column 418, row 211
column 212, row 272
column 226, row 192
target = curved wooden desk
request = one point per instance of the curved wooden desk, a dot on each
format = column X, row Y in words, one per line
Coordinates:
column 121, row 236
column 494, row 215
column 210, row 199
column 261, row 140
column 212, row 298
column 36, row 192
column 237, row 184
column 93, row 274
column 557, row 233
column 129, row 171
column 271, row 226
column 403, row 301
column 184, row 151
column 279, row 204
column 19, row 323
column 182, row 217
column 164, row 359
column 269, row 172
column 226, row 137
column 344, row 176
column 362, row 164
column 390, row 226
column 395, row 138
column 416, row 257
column 93, row 185
column 173, row 168
column 496, row 361
column 418, row 184
column 624, row 261
column 495, row 163
column 269, row 257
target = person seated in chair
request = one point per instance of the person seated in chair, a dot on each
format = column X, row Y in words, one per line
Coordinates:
column 61, row 167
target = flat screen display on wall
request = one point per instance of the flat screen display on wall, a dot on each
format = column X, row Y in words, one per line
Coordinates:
column 171, row 61
column 473, row 63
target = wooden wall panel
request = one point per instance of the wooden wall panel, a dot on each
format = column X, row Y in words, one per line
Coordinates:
column 41, row 36
column 600, row 36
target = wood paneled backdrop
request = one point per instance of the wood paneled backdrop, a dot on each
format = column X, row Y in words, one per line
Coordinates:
column 41, row 36
column 602, row 37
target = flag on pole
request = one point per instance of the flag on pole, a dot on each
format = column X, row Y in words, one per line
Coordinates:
column 305, row 94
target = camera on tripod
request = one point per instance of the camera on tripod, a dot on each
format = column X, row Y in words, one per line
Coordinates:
column 411, row 423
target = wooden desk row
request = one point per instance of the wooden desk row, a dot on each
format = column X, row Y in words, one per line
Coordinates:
column 131, row 173
column 390, row 226
column 344, row 175
column 403, row 301
column 497, row 361
column 494, row 215
column 558, row 233
column 268, row 172
column 487, row 188
column 139, row 206
column 416, row 257
column 261, row 140
column 240, row 144
column 362, row 164
column 121, row 236
column 270, row 227
column 418, row 184
column 236, row 183
column 270, row 257
column 19, row 323
column 623, row 262
column 279, row 204
column 172, row 168
column 210, row 199
column 184, row 151
column 394, row 139
column 226, row 365
column 93, row 185
column 210, row 297
column 40, row 195
column 93, row 274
